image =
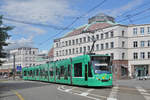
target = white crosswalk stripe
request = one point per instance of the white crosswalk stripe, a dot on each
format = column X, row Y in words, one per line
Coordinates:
column 113, row 94
column 143, row 92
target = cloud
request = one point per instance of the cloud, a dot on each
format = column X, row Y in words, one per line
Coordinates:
column 28, row 30
column 43, row 11
column 118, row 11
column 34, row 11
column 23, row 42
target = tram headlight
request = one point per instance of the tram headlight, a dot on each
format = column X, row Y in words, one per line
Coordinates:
column 110, row 78
column 98, row 78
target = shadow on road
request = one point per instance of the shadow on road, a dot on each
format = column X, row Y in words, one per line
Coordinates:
column 7, row 86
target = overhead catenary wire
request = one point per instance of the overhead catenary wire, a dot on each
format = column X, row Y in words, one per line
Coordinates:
column 134, row 9
column 38, row 24
column 76, row 19
column 135, row 14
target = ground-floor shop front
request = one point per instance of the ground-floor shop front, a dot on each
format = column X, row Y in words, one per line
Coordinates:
column 140, row 70
column 120, row 69
column 5, row 72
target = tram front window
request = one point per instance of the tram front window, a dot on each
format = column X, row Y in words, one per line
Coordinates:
column 101, row 65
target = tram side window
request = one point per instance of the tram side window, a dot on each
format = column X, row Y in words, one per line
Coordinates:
column 69, row 71
column 89, row 70
column 46, row 74
column 41, row 73
column 57, row 71
column 66, row 74
column 62, row 71
column 30, row 72
column 37, row 72
column 33, row 72
column 25, row 73
column 78, row 70
column 51, row 71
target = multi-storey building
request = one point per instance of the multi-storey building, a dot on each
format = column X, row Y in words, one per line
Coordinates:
column 129, row 46
column 24, row 57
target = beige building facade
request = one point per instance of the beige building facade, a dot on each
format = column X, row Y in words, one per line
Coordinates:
column 128, row 45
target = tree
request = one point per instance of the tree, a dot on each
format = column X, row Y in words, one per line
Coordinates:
column 3, row 37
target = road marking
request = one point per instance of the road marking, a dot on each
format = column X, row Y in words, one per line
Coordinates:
column 67, row 90
column 61, row 88
column 86, row 93
column 18, row 95
column 143, row 92
column 113, row 94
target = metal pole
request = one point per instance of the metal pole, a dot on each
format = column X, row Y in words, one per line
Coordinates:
column 14, row 69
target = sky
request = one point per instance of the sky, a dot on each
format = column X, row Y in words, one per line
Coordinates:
column 38, row 22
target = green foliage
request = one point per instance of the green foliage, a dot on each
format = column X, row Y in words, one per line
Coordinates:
column 3, row 37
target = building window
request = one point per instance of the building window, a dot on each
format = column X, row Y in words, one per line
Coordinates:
column 80, row 49
column 148, row 30
column 112, row 44
column 148, row 43
column 88, row 38
column 69, row 51
column 78, row 70
column 66, row 43
column 107, row 46
column 142, row 43
column 112, row 55
column 66, row 52
column 148, row 54
column 73, row 51
column 142, row 55
column 106, row 35
column 123, row 56
column 123, row 44
column 135, row 55
column 135, row 44
column 73, row 42
column 97, row 37
column 84, row 39
column 102, row 36
column 142, row 30
column 77, row 50
column 62, row 44
column 88, row 48
column 123, row 33
column 93, row 37
column 97, row 46
column 76, row 41
column 80, row 40
column 57, row 53
column 84, row 49
column 56, row 44
column 112, row 34
column 134, row 31
column 69, row 42
column 63, row 52
column 102, row 46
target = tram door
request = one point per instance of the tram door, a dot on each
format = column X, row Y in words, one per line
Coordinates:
column 86, row 74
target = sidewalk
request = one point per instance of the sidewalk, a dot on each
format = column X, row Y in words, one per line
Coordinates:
column 133, row 83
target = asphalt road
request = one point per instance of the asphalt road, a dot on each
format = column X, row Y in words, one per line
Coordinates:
column 32, row 90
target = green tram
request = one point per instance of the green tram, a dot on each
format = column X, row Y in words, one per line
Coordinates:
column 85, row 70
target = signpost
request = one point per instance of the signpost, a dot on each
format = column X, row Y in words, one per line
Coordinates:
column 19, row 68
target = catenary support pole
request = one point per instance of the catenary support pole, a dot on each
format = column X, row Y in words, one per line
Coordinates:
column 14, row 69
